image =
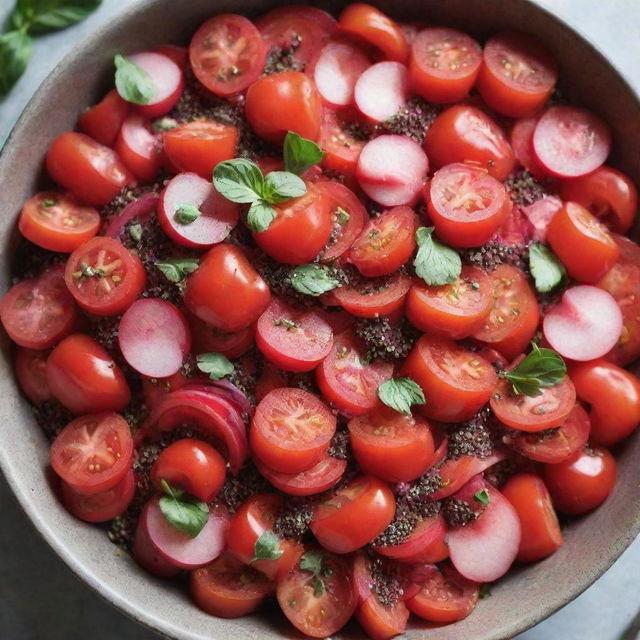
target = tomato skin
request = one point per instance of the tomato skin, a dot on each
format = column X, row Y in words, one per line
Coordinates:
column 176, row 53
column 103, row 121
column 31, row 371
column 84, row 378
column 466, row 134
column 426, row 543
column 388, row 299
column 240, row 296
column 92, row 172
column 583, row 482
column 282, row 102
column 614, row 396
column 139, row 148
column 341, row 148
column 583, row 244
column 381, row 622
column 207, row 338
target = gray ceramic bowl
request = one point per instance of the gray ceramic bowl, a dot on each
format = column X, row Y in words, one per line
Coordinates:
column 526, row 595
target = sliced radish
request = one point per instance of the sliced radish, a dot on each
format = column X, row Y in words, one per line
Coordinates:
column 168, row 82
column 141, row 209
column 485, row 548
column 178, row 548
column 585, row 324
column 392, row 169
column 148, row 557
column 338, row 68
column 139, row 148
column 382, row 90
column 217, row 214
column 540, row 214
column 415, row 548
column 154, row 337
column 223, row 389
column 571, row 142
column 522, row 144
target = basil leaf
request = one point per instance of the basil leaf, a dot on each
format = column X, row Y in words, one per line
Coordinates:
column 401, row 394
column 260, row 216
column 215, row 364
column 312, row 561
column 183, row 512
column 133, row 83
column 299, row 153
column 239, row 180
column 267, row 547
column 482, row 497
column 312, row 280
column 177, row 269
column 42, row 16
column 282, row 185
column 435, row 263
column 541, row 368
column 187, row 213
column 547, row 271
column 15, row 51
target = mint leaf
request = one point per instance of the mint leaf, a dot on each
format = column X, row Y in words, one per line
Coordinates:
column 183, row 512
column 267, row 547
column 133, row 83
column 15, row 51
column 541, row 368
column 312, row 561
column 215, row 364
column 42, row 16
column 547, row 270
column 435, row 263
column 282, row 185
column 312, row 280
column 299, row 153
column 482, row 497
column 239, row 180
column 177, row 269
column 187, row 213
column 260, row 216
column 401, row 394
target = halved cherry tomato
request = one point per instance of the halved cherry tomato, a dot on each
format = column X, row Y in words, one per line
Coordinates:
column 207, row 338
column 176, row 53
column 57, row 221
column 227, row 54
column 104, row 277
column 84, row 378
column 103, row 121
column 342, row 137
column 353, row 515
column 522, row 144
column 456, row 382
column 294, row 338
column 426, row 543
column 348, row 379
column 584, row 245
column 37, row 313
column 513, row 319
column 455, row 310
column 93, row 453
column 517, row 74
column 31, row 371
column 372, row 298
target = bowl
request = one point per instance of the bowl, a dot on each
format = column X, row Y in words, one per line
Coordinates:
column 520, row 600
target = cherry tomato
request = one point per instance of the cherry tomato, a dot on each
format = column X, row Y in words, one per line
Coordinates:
column 155, row 389
column 139, row 148
column 374, row 27
column 456, row 382
column 342, row 137
column 228, row 588
column 104, row 277
column 444, row 64
column 227, row 54
column 517, row 74
column 466, row 205
column 582, row 483
column 239, row 297
column 584, row 245
column 514, row 316
column 466, row 134
column 282, row 102
column 84, row 378
column 57, row 221
column 103, row 121
column 31, row 371
column 207, row 338
column 293, row 338
column 92, row 172
column 318, row 613
column 426, row 543
column 522, row 143
column 455, row 310
column 93, row 453
column 176, row 53
column 373, row 298
column 353, row 515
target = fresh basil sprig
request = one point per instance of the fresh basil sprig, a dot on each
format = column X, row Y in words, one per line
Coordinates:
column 435, row 263
column 267, row 547
column 215, row 364
column 401, row 394
column 133, row 83
column 547, row 270
column 182, row 511
column 541, row 368
column 312, row 280
column 313, row 562
column 177, row 269
column 299, row 153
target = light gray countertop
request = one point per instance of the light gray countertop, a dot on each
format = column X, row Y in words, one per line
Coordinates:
column 41, row 600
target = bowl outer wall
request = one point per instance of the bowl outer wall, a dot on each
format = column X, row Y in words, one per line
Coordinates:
column 529, row 594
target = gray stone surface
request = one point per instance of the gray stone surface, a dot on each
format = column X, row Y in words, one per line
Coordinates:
column 41, row 600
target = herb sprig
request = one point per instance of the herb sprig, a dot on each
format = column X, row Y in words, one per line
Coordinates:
column 435, row 263
column 401, row 394
column 182, row 511
column 541, row 368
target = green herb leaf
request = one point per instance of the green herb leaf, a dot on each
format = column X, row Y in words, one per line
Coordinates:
column 318, row 586
column 215, row 364
column 187, row 213
column 239, row 180
column 541, row 368
column 15, row 51
column 312, row 561
column 42, row 16
column 135, row 231
column 267, row 547
column 300, row 153
column 401, row 394
column 164, row 124
column 485, row 591
column 342, row 216
column 177, row 269
column 183, row 512
column 547, row 271
column 133, row 83
column 435, row 263
column 482, row 497
column 282, row 185
column 312, row 280
column 260, row 216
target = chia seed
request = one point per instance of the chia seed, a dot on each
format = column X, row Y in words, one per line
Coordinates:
column 104, row 330
column 384, row 341
column 472, row 438
column 493, row 254
column 415, row 497
column 386, row 585
column 524, row 189
column 30, row 260
column 239, row 488
column 294, row 519
column 52, row 417
column 122, row 529
column 340, row 446
column 457, row 513
column 413, row 119
column 281, row 59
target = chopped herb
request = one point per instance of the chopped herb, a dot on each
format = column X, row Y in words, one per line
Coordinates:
column 482, row 497
column 135, row 232
column 547, row 271
column 183, row 512
column 215, row 364
column 541, row 368
column 313, row 561
column 435, row 263
column 49, row 202
column 267, row 547
column 290, row 325
column 177, row 269
column 401, row 394
column 312, row 280
column 133, row 83
column 187, row 213
column 164, row 124
column 342, row 216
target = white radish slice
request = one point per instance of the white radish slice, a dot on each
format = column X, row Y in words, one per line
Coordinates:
column 392, row 169
column 154, row 337
column 148, row 557
column 485, row 548
column 382, row 90
column 180, row 549
column 337, row 69
column 585, row 324
column 168, row 82
column 540, row 214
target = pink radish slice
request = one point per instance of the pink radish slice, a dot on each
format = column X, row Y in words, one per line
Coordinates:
column 141, row 209
column 522, row 144
column 338, row 68
column 391, row 170
column 209, row 390
column 540, row 214
column 168, row 82
column 139, row 148
column 180, row 549
column 224, row 389
column 585, row 324
column 146, row 554
column 218, row 215
column 485, row 548
column 571, row 142
column 154, row 337
column 382, row 90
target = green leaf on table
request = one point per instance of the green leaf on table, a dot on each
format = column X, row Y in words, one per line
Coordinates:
column 43, row 16
column 15, row 51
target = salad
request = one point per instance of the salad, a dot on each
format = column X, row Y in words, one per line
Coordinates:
column 331, row 312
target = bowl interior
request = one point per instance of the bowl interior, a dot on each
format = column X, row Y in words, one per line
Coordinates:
column 528, row 594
